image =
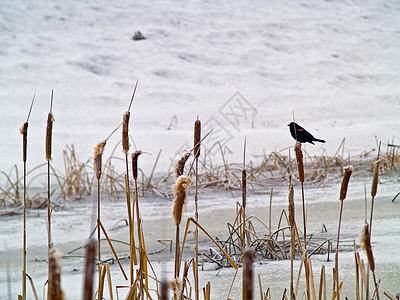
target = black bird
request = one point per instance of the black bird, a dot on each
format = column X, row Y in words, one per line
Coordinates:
column 301, row 135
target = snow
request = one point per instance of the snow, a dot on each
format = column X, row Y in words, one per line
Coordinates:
column 335, row 64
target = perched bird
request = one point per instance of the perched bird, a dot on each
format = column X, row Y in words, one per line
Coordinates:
column 301, row 135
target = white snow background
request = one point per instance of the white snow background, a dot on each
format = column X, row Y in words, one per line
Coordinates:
column 335, row 64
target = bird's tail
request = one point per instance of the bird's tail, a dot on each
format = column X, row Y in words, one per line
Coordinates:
column 318, row 140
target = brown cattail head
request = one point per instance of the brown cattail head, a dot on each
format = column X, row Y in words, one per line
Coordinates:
column 374, row 187
column 125, row 132
column 244, row 188
column 135, row 156
column 56, row 292
column 176, row 286
column 90, row 266
column 365, row 240
column 98, row 153
column 180, row 165
column 164, row 291
column 24, row 131
column 197, row 138
column 180, row 191
column 248, row 274
column 49, row 135
column 291, row 205
column 299, row 158
column 345, row 182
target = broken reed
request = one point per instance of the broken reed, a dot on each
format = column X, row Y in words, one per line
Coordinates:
column 343, row 192
column 196, row 149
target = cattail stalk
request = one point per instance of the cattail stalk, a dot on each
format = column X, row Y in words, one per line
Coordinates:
column 300, row 169
column 125, row 132
column 292, row 235
column 98, row 154
column 374, row 188
column 248, row 275
column 56, row 292
column 49, row 134
column 24, row 131
column 343, row 192
column 196, row 149
column 365, row 240
column 142, row 259
column 180, row 191
column 90, row 265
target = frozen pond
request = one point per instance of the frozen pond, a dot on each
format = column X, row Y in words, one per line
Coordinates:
column 72, row 226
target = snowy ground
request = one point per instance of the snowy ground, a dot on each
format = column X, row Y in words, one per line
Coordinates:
column 243, row 67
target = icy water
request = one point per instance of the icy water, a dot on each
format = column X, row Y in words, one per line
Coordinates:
column 72, row 226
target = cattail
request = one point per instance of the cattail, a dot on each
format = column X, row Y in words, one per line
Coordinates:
column 164, row 291
column 125, row 132
column 176, row 285
column 197, row 137
column 135, row 156
column 248, row 274
column 98, row 153
column 291, row 206
column 180, row 166
column 244, row 188
column 49, row 134
column 299, row 158
column 374, row 187
column 56, row 292
column 365, row 240
column 90, row 265
column 180, row 191
column 345, row 182
column 24, row 131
